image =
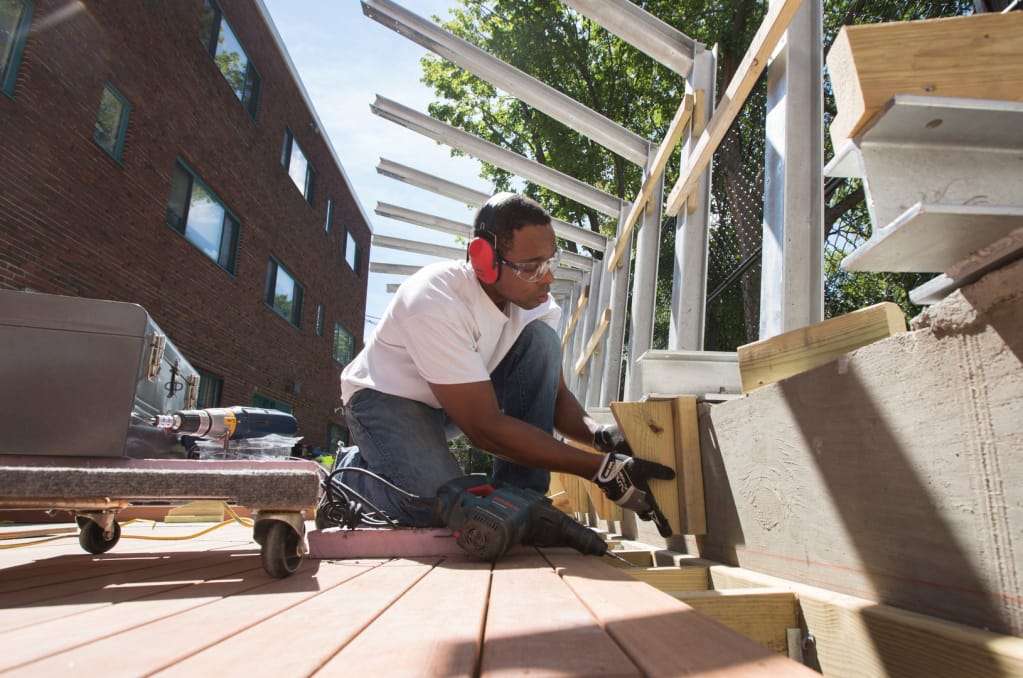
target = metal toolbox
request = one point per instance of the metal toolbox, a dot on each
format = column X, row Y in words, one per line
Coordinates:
column 74, row 371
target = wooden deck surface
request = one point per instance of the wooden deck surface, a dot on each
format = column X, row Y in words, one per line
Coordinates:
column 205, row 606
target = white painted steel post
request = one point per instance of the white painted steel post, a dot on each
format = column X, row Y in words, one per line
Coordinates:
column 612, row 381
column 689, row 282
column 792, row 283
column 644, row 285
column 600, row 291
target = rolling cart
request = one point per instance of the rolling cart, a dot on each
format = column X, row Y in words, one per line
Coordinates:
column 83, row 381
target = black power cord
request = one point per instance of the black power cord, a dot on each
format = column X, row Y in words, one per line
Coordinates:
column 342, row 506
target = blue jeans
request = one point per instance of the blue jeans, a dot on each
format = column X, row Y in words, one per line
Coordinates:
column 405, row 441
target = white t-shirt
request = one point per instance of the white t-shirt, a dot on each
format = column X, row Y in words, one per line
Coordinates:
column 441, row 328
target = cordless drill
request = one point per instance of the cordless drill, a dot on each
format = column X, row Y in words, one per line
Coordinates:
column 217, row 423
column 488, row 519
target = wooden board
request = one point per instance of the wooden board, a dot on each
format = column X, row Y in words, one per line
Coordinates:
column 671, row 578
column 973, row 57
column 857, row 637
column 669, row 638
column 560, row 640
column 602, row 506
column 761, row 614
column 770, row 360
column 453, row 595
column 892, row 475
column 649, row 428
column 692, row 510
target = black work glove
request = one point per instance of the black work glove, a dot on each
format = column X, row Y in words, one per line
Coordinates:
column 624, row 480
column 608, row 438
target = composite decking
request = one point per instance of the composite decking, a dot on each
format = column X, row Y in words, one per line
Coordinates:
column 204, row 606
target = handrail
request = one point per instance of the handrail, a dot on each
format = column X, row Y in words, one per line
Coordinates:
column 594, row 342
column 664, row 151
column 583, row 298
column 779, row 16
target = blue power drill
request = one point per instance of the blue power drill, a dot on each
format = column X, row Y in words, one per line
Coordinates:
column 489, row 518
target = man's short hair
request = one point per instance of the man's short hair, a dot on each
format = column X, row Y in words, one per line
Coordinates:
column 506, row 213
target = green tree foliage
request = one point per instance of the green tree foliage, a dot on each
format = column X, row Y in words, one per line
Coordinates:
column 575, row 56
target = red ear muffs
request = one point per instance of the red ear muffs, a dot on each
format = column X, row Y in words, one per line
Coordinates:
column 484, row 260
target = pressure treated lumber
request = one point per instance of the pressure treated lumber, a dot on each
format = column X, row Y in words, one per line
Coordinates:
column 664, row 636
column 761, row 614
column 666, row 431
column 975, row 57
column 894, row 474
column 594, row 341
column 856, row 637
column 671, row 578
column 770, row 360
column 588, row 495
column 583, row 298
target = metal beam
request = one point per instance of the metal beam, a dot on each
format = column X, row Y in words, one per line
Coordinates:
column 791, row 273
column 392, row 269
column 418, row 247
column 423, row 219
column 414, row 177
column 489, row 68
column 642, row 30
column 552, row 179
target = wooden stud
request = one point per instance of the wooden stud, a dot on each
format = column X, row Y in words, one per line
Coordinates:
column 692, row 509
column 770, row 360
column 649, row 428
column 858, row 637
column 760, row 614
column 689, row 578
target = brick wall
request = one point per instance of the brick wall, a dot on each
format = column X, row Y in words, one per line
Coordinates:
column 74, row 221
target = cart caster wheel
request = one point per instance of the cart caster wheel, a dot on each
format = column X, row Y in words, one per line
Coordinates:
column 91, row 536
column 280, row 550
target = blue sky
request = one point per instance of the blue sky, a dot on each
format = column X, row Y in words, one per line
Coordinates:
column 344, row 60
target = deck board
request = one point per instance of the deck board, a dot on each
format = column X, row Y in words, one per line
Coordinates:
column 204, row 606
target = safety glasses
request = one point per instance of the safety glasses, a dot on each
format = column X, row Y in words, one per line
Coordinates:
column 533, row 271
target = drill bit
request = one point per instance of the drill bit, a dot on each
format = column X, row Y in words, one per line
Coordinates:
column 618, row 557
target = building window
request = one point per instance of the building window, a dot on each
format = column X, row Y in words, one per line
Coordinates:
column 352, row 254
column 210, row 388
column 196, row 213
column 111, row 122
column 15, row 17
column 319, row 320
column 329, row 226
column 283, row 294
column 299, row 169
column 260, row 400
column 344, row 345
column 222, row 44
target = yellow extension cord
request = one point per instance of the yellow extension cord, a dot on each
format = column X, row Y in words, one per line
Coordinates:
column 235, row 518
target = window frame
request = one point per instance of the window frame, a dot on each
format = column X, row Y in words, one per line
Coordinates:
column 122, row 123
column 228, row 264
column 268, row 403
column 252, row 83
column 319, row 320
column 269, row 293
column 338, row 329
column 212, row 385
column 329, row 225
column 356, row 263
column 9, row 70
column 309, row 185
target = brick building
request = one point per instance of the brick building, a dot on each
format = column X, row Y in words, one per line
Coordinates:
column 165, row 153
